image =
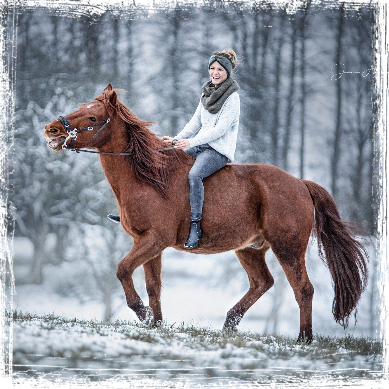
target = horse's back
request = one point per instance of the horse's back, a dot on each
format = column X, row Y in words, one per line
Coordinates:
column 245, row 204
column 267, row 183
column 284, row 200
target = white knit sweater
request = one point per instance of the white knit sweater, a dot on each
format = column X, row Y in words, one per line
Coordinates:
column 219, row 130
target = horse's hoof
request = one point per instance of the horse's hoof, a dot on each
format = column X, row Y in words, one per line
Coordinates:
column 228, row 331
column 148, row 316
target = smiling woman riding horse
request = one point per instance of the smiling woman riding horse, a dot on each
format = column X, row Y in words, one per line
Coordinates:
column 261, row 208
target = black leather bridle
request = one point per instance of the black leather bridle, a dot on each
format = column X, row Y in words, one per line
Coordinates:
column 72, row 134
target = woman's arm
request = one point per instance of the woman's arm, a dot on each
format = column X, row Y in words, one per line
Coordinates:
column 192, row 126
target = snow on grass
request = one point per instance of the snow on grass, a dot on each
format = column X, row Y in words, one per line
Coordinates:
column 55, row 348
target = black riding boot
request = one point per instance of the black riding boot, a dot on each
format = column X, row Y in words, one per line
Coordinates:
column 114, row 218
column 195, row 235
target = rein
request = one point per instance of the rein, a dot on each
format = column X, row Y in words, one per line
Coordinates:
column 72, row 134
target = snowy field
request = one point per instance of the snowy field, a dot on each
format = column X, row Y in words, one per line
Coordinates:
column 52, row 349
column 189, row 350
column 196, row 289
column 199, row 290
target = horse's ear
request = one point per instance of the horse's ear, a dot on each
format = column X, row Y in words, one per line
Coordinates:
column 112, row 97
column 108, row 88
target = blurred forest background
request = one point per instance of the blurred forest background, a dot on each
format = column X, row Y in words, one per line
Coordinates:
column 306, row 106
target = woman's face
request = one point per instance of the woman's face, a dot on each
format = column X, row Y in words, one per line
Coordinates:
column 217, row 73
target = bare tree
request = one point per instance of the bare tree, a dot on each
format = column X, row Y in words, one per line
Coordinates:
column 369, row 29
column 362, row 131
column 303, row 86
column 291, row 95
column 378, row 286
column 336, row 149
column 277, row 295
column 129, row 78
column 176, row 82
column 275, row 130
column 102, row 267
column 42, row 194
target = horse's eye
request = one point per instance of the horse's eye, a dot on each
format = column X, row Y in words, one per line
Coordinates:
column 92, row 118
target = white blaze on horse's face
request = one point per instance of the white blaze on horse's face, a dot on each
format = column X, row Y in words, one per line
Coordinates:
column 217, row 73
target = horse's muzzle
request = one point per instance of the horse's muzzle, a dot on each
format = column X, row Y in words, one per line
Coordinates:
column 55, row 143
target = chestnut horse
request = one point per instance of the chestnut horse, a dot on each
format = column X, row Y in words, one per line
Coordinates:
column 248, row 208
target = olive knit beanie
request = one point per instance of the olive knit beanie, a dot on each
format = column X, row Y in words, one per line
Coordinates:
column 223, row 61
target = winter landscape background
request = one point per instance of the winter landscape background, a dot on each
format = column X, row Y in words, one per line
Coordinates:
column 307, row 106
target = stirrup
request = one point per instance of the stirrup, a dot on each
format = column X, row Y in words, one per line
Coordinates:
column 195, row 235
column 114, row 218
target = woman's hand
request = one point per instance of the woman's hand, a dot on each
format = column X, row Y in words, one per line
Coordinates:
column 168, row 140
column 182, row 144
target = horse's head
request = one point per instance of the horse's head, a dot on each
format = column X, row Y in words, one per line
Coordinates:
column 83, row 128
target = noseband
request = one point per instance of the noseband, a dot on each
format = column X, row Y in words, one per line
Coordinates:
column 72, row 134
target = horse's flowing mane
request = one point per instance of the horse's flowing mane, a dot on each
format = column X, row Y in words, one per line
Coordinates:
column 150, row 165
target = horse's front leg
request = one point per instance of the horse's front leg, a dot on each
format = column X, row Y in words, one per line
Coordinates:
column 153, row 270
column 148, row 247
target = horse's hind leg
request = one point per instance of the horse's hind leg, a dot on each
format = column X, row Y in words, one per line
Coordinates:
column 293, row 264
column 153, row 270
column 253, row 261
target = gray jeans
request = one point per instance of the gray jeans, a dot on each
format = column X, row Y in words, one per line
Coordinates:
column 208, row 161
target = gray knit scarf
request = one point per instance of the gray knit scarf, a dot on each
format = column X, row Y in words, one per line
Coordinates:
column 213, row 97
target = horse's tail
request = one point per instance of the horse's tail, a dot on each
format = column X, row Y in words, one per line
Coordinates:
column 344, row 255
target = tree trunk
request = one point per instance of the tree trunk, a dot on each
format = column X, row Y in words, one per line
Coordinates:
column 174, row 58
column 275, row 131
column 115, row 47
column 303, row 28
column 272, row 321
column 39, row 258
column 372, row 167
column 129, row 77
column 107, row 300
column 361, row 139
column 54, row 46
column 256, row 35
column 338, row 123
column 23, row 55
column 290, row 103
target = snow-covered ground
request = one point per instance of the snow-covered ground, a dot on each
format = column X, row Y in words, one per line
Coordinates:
column 54, row 350
column 197, row 290
column 193, row 291
column 200, row 289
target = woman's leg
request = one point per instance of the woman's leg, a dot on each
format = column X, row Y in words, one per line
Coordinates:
column 207, row 162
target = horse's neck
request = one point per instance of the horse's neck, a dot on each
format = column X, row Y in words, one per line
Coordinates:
column 116, row 167
column 118, row 172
